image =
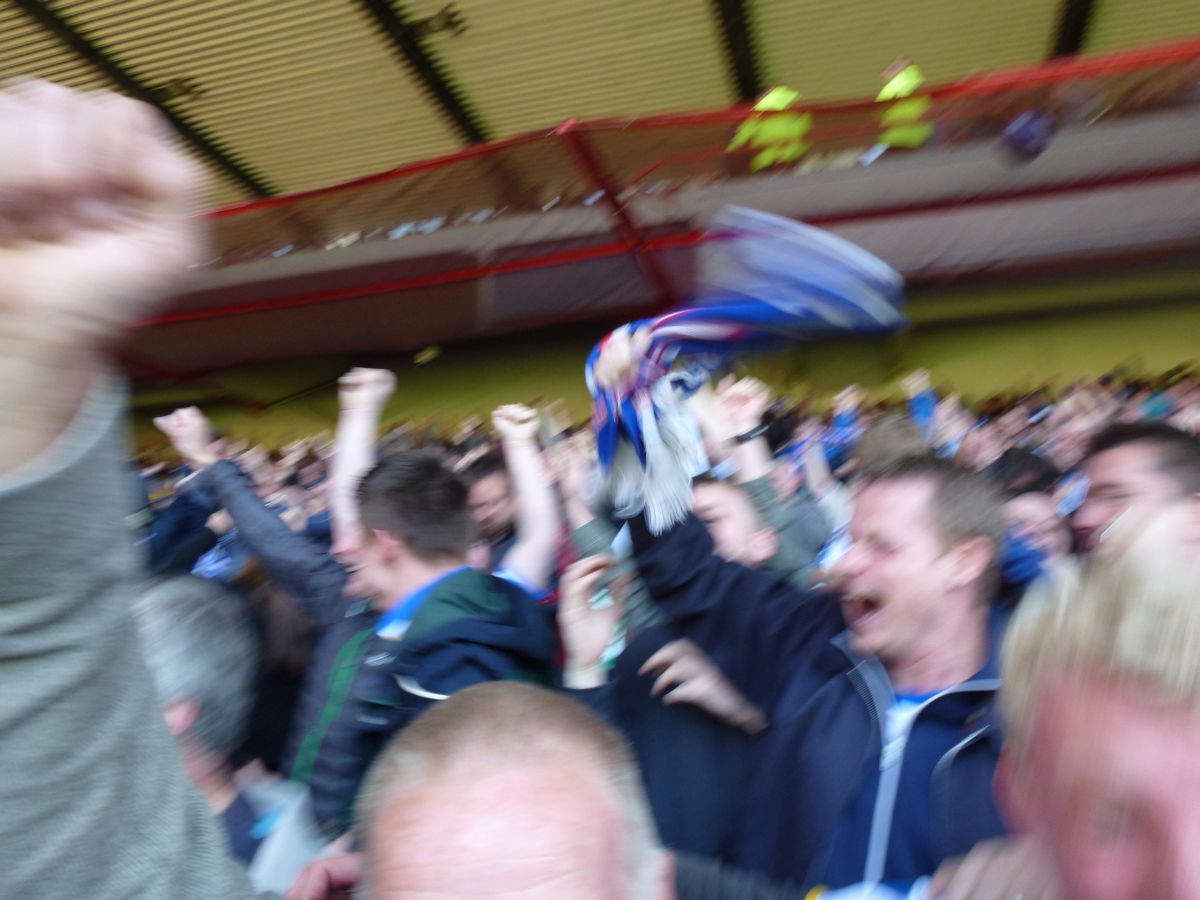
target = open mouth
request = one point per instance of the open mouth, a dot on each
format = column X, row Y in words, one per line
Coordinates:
column 860, row 611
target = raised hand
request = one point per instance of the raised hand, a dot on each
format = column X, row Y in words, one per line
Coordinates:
column 621, row 357
column 191, row 434
column 365, row 389
column 587, row 626
column 515, row 423
column 743, row 403
column 848, row 399
column 917, row 382
column 95, row 229
column 96, row 221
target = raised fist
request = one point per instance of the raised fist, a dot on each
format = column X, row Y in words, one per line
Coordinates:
column 515, row 423
column 96, row 223
column 367, row 389
column 191, row 434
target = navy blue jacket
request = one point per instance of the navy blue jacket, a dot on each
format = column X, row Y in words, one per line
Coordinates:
column 322, row 747
column 821, row 763
column 692, row 765
column 473, row 628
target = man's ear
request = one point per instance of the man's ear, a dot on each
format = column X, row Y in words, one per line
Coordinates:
column 180, row 716
column 389, row 547
column 971, row 559
column 764, row 544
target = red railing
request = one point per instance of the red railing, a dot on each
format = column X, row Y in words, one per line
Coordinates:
column 610, row 160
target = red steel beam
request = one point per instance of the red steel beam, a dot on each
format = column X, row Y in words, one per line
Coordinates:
column 627, row 227
column 453, row 276
column 647, row 248
column 1050, row 73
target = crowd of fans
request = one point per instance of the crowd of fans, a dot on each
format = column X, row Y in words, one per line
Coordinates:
column 913, row 649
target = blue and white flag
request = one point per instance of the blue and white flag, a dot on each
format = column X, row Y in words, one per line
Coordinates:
column 766, row 281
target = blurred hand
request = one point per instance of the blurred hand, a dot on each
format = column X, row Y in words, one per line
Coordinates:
column 621, row 358
column 516, row 423
column 687, row 675
column 587, row 629
column 295, row 517
column 997, row 870
column 742, row 404
column 571, row 462
column 332, row 878
column 847, row 399
column 191, row 434
column 917, row 382
column 95, row 214
column 220, row 523
column 365, row 389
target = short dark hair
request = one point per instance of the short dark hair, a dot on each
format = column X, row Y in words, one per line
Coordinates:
column 490, row 463
column 890, row 439
column 965, row 504
column 1020, row 471
column 1178, row 451
column 415, row 498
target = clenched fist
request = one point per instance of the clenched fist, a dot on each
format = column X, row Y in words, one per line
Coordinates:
column 96, row 214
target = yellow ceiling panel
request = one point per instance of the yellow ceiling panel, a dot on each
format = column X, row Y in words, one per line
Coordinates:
column 305, row 93
column 296, row 88
column 528, row 64
column 825, row 48
column 28, row 51
column 1117, row 24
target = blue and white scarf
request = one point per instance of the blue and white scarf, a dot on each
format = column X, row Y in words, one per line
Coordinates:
column 766, row 282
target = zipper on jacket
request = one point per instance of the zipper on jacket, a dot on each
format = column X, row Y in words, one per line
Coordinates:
column 891, row 765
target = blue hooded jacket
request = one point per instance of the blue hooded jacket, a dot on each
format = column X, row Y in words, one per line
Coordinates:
column 471, row 628
column 827, row 804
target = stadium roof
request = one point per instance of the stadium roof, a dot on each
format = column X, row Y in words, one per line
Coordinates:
column 279, row 96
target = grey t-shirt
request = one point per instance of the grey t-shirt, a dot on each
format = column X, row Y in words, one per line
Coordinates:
column 93, row 796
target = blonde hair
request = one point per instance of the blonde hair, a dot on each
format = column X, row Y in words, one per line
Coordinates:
column 1130, row 617
column 507, row 721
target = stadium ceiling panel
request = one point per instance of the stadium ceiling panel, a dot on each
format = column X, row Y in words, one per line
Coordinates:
column 1123, row 23
column 308, row 92
column 844, row 55
column 32, row 48
column 531, row 64
column 278, row 96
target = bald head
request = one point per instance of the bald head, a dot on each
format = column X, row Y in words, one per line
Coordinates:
column 506, row 790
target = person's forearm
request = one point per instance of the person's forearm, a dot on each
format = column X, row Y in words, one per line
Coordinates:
column 817, row 475
column 595, row 538
column 578, row 514
column 539, row 522
column 309, row 577
column 753, row 460
column 353, row 457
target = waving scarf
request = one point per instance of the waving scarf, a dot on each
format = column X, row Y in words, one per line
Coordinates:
column 765, row 281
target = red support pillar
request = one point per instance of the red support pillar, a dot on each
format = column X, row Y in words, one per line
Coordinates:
column 626, row 226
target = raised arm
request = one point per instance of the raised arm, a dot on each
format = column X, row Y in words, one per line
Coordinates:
column 741, row 406
column 362, row 396
column 573, row 461
column 95, row 228
column 539, row 522
column 740, row 616
column 302, row 569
